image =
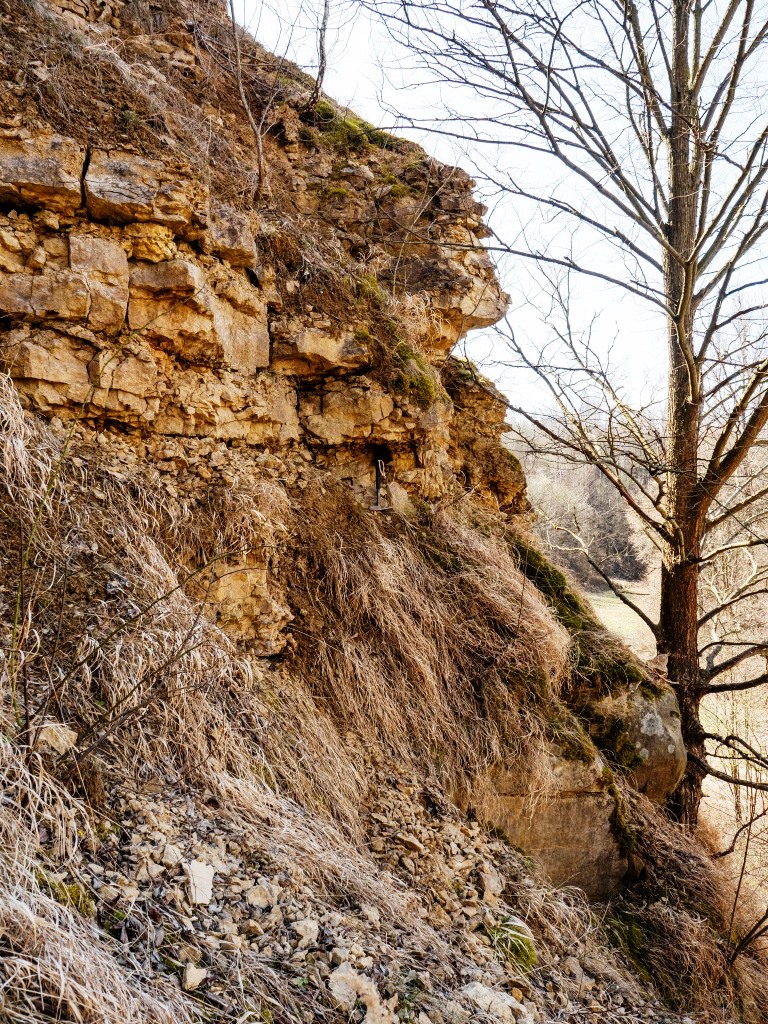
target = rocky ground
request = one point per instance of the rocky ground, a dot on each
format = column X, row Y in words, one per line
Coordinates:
column 183, row 892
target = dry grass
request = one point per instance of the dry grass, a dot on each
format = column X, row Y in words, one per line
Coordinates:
column 433, row 615
column 54, row 963
column 394, row 617
column 674, row 925
column 112, row 642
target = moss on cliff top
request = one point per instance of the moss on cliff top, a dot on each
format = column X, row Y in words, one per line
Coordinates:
column 345, row 131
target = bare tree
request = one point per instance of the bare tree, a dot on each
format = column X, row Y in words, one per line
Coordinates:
column 322, row 56
column 647, row 129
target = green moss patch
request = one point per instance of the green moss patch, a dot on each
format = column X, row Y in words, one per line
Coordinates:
column 629, row 933
column 412, row 377
column 571, row 737
column 347, row 132
column 622, row 831
column 602, row 664
column 611, row 735
column 68, row 894
column 513, row 944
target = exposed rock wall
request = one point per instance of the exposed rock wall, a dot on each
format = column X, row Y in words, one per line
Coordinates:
column 129, row 296
column 285, row 324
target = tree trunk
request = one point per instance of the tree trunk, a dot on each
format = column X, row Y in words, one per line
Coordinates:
column 679, row 639
column 680, row 569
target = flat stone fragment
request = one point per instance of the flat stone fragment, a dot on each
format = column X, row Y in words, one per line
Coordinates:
column 193, row 977
column 499, row 1005
column 199, row 881
column 57, row 736
column 44, row 171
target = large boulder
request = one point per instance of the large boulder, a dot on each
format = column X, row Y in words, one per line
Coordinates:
column 573, row 830
column 640, row 732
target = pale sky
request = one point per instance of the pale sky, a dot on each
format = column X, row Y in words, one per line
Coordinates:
column 367, row 73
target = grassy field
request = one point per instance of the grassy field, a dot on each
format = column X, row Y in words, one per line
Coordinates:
column 620, row 619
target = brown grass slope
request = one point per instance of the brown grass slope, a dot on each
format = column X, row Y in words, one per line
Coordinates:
column 419, row 645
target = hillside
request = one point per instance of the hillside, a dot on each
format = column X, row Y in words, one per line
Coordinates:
column 297, row 723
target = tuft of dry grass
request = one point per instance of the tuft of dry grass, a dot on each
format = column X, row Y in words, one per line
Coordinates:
column 673, row 924
column 433, row 615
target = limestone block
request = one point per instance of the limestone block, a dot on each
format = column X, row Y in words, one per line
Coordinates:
column 50, row 369
column 469, row 297
column 230, row 236
column 236, row 290
column 59, row 294
column 105, row 267
column 12, row 256
column 346, row 414
column 172, row 305
column 42, row 171
column 16, row 295
column 317, row 351
column 62, row 294
column 125, row 384
column 240, row 598
column 230, row 407
column 125, row 187
column 568, row 830
column 80, row 8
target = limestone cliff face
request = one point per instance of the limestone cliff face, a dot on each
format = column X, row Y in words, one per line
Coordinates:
column 131, row 297
column 188, row 311
column 200, row 331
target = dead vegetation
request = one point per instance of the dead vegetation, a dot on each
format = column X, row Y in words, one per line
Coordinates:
column 55, row 965
column 677, row 925
column 392, row 619
column 432, row 612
